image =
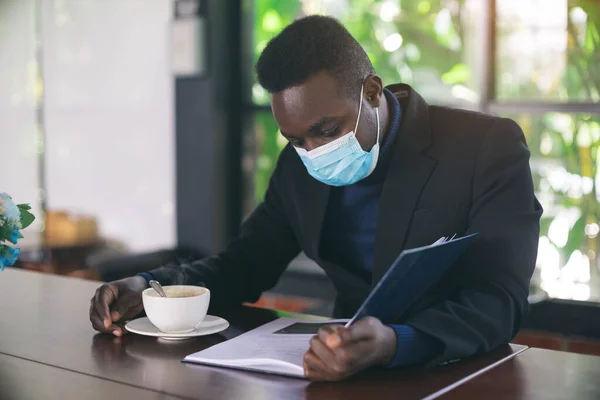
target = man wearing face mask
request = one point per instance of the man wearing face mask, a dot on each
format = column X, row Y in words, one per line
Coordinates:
column 370, row 171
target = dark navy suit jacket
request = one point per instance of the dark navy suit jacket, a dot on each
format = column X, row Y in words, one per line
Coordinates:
column 452, row 172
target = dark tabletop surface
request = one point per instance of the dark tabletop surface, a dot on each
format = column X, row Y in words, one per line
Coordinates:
column 44, row 320
column 27, row 380
column 537, row 374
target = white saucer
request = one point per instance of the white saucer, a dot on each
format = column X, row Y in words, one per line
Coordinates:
column 210, row 325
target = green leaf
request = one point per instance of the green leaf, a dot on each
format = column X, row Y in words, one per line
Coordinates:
column 21, row 235
column 459, row 73
column 589, row 44
column 24, row 207
column 576, row 237
column 26, row 218
column 545, row 225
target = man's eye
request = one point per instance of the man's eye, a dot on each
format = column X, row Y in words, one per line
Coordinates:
column 331, row 133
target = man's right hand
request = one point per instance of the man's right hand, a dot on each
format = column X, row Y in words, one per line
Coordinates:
column 116, row 302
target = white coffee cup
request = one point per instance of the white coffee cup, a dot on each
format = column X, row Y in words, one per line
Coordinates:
column 181, row 311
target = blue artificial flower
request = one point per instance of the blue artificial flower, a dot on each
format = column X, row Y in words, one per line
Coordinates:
column 9, row 256
column 14, row 236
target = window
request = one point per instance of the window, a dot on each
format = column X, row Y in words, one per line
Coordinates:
column 536, row 61
column 548, row 50
column 564, row 161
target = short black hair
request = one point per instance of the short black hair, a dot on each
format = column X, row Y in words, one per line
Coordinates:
column 310, row 45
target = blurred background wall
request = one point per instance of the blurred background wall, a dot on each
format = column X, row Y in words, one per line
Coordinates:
column 86, row 113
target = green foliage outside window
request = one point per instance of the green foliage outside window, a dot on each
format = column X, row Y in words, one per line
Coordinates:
column 565, row 156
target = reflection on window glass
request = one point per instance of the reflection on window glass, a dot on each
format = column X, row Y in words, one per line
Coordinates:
column 428, row 44
column 548, row 50
column 564, row 161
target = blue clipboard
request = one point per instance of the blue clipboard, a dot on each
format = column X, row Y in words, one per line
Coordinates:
column 413, row 272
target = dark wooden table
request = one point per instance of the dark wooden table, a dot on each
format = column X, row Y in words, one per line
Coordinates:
column 44, row 327
column 537, row 374
column 27, row 380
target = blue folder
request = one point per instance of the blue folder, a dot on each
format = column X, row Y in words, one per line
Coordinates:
column 411, row 275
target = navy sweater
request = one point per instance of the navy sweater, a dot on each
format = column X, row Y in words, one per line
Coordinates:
column 348, row 237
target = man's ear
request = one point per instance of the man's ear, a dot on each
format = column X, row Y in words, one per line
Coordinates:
column 373, row 90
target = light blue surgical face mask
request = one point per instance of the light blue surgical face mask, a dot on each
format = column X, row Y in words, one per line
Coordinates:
column 342, row 162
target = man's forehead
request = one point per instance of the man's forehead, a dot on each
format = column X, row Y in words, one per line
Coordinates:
column 315, row 88
column 317, row 96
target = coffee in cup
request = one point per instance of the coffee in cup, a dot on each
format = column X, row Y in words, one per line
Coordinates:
column 181, row 311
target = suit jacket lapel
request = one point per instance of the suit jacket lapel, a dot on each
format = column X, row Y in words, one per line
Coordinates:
column 312, row 203
column 406, row 177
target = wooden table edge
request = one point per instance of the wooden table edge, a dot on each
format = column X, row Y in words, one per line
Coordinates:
column 475, row 374
column 98, row 378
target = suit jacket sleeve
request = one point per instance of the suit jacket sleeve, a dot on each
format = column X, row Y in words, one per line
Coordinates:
column 485, row 312
column 252, row 262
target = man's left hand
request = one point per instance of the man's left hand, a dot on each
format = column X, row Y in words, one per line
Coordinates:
column 336, row 352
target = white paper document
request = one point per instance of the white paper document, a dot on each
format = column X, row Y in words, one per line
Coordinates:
column 277, row 348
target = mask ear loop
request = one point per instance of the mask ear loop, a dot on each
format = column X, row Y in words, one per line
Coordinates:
column 359, row 107
column 376, row 155
column 378, row 130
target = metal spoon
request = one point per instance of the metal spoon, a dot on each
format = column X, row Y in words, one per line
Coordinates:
column 156, row 286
